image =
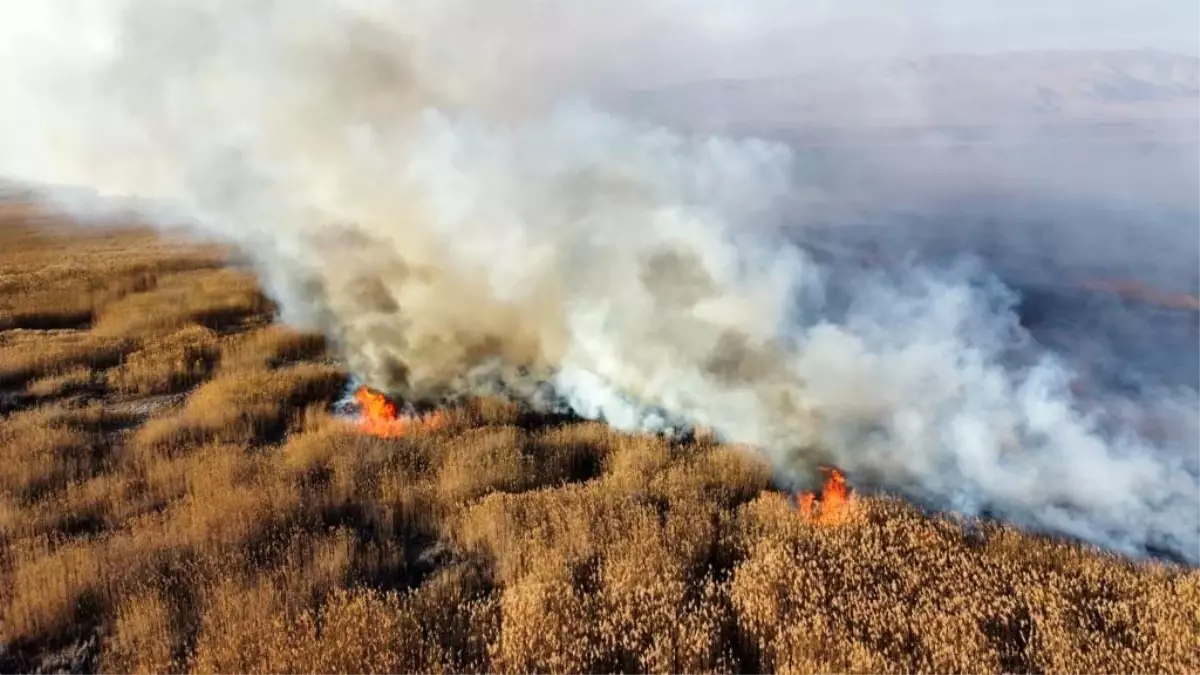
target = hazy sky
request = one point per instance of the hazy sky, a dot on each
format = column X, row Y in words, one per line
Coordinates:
column 668, row 39
column 1173, row 25
column 965, row 25
column 644, row 42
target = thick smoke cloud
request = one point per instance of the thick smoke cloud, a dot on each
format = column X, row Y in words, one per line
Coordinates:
column 426, row 183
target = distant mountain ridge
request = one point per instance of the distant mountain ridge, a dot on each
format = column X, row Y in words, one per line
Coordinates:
column 1010, row 89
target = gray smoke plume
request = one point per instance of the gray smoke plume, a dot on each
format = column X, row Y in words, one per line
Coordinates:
column 426, row 183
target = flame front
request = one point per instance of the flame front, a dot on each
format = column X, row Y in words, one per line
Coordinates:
column 836, row 502
column 1129, row 289
column 379, row 416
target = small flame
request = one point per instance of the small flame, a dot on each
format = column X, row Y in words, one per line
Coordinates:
column 1130, row 289
column 379, row 416
column 836, row 500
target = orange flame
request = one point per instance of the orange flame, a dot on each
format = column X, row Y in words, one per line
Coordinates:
column 380, row 418
column 1130, row 289
column 836, row 500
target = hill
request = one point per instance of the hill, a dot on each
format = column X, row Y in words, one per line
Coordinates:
column 1145, row 94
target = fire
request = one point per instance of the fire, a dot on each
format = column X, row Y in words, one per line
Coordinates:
column 836, row 500
column 379, row 416
column 1133, row 290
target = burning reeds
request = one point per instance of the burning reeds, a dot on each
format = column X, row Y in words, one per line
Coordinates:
column 379, row 416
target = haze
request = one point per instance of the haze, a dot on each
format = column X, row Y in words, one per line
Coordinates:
column 678, row 40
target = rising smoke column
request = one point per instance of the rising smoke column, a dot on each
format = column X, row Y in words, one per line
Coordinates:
column 448, row 209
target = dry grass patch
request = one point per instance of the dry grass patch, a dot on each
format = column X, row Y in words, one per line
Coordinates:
column 72, row 381
column 141, row 640
column 245, row 407
column 484, row 411
column 51, row 586
column 595, row 580
column 258, row 629
column 167, row 365
column 46, row 309
column 487, row 460
column 61, row 277
column 26, row 356
column 895, row 591
column 81, row 508
column 46, row 448
column 270, row 347
column 217, row 299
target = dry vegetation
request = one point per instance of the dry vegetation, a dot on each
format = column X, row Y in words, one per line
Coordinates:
column 176, row 496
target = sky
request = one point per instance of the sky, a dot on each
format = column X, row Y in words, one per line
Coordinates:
column 966, row 25
column 698, row 38
column 649, row 40
column 1172, row 25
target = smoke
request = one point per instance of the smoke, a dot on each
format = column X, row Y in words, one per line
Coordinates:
column 427, row 184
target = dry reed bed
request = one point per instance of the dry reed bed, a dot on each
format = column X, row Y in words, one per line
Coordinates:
column 175, row 496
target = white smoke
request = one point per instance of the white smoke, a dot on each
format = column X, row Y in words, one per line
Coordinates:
column 424, row 182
